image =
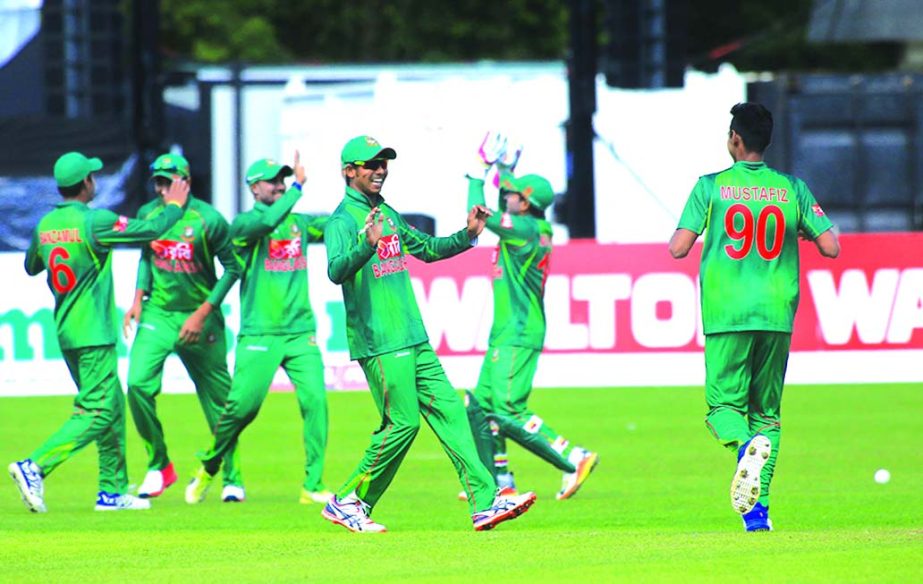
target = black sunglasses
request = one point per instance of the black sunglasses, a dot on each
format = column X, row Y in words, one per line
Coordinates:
column 372, row 165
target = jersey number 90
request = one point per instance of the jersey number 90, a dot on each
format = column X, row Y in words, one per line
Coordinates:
column 759, row 231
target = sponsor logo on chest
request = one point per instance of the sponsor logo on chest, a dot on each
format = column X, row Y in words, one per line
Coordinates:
column 391, row 261
column 174, row 256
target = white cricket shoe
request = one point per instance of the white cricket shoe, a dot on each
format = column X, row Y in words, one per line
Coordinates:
column 28, row 477
column 353, row 515
column 745, row 486
column 233, row 494
column 503, row 509
column 584, row 461
column 115, row 502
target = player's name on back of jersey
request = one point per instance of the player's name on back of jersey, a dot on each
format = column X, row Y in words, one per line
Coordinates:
column 71, row 235
column 755, row 193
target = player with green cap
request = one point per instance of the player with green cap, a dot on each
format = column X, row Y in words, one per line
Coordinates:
column 499, row 409
column 367, row 246
column 73, row 243
column 177, row 308
column 749, row 276
column 277, row 326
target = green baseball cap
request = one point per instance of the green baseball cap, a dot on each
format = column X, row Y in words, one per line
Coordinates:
column 534, row 188
column 170, row 164
column 73, row 167
column 267, row 169
column 364, row 148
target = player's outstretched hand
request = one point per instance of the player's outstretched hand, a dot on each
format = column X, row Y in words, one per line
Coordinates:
column 491, row 149
column 374, row 225
column 477, row 218
column 510, row 157
column 132, row 314
column 298, row 168
column 178, row 191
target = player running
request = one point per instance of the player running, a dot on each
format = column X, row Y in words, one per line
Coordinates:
column 177, row 307
column 499, row 407
column 367, row 242
column 73, row 243
column 277, row 325
column 749, row 278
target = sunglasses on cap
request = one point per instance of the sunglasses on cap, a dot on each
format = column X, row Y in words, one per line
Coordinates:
column 372, row 165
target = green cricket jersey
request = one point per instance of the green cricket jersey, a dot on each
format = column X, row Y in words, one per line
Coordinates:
column 521, row 264
column 272, row 247
column 749, row 271
column 177, row 269
column 73, row 243
column 382, row 315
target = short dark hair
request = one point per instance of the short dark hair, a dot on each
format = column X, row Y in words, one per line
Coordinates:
column 72, row 191
column 753, row 123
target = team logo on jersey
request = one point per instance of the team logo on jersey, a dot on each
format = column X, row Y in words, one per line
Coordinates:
column 389, row 246
column 166, row 249
column 817, row 210
column 121, row 224
column 188, row 233
column 284, row 249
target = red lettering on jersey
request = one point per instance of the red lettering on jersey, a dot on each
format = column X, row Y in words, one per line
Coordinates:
column 817, row 210
column 55, row 236
column 506, row 221
column 166, row 249
column 121, row 224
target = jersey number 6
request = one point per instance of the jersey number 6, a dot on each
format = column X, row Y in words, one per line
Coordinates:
column 62, row 276
column 754, row 231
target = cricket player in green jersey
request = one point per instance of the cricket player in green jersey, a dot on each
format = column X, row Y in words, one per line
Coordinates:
column 277, row 324
column 73, row 243
column 749, row 278
column 367, row 245
column 499, row 407
column 177, row 307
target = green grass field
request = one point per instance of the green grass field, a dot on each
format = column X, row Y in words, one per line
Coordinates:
column 656, row 509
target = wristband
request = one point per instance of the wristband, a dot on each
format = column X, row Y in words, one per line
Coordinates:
column 173, row 202
column 296, row 185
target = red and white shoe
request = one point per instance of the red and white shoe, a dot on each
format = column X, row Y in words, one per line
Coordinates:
column 156, row 482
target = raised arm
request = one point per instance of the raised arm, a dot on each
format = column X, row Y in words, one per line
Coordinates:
column 260, row 222
column 107, row 228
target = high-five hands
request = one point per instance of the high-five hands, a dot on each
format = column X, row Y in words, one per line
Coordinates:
column 477, row 218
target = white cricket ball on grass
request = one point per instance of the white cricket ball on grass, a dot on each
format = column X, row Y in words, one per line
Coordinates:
column 882, row 476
